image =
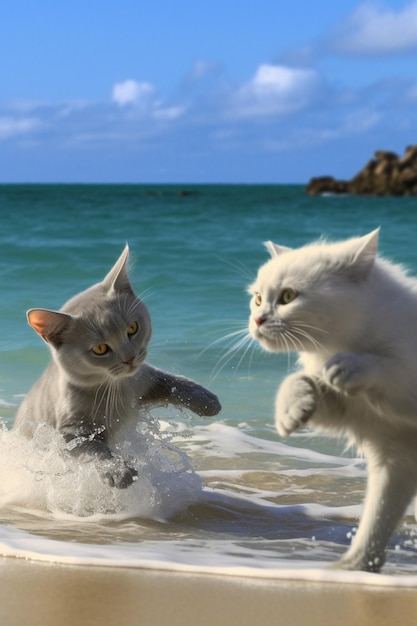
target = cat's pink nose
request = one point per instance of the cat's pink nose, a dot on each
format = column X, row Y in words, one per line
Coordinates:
column 259, row 321
column 129, row 361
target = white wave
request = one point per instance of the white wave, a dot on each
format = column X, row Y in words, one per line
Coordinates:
column 5, row 404
column 227, row 441
column 210, row 557
column 241, row 527
column 39, row 476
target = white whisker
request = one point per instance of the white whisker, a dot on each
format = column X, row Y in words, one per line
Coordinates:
column 297, row 346
column 98, row 402
column 236, row 346
column 301, row 324
column 249, row 342
column 239, row 268
column 146, row 294
column 230, row 353
column 287, row 340
column 106, row 402
column 224, row 338
column 114, row 399
column 302, row 333
column 109, row 405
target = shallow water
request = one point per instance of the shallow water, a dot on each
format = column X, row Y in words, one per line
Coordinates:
column 216, row 497
column 249, row 495
column 212, row 495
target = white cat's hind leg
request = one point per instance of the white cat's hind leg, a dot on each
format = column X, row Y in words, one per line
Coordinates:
column 390, row 488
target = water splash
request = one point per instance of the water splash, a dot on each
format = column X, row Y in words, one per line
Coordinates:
column 40, row 477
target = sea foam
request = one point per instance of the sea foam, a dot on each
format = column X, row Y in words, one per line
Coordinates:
column 40, row 476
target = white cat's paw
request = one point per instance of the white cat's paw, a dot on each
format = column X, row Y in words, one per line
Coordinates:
column 296, row 403
column 343, row 371
column 359, row 563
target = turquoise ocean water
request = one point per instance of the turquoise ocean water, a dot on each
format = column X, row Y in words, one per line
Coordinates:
column 225, row 494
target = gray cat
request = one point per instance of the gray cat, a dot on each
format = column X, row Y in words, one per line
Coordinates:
column 97, row 378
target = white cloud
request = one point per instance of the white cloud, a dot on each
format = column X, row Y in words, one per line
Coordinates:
column 200, row 69
column 344, row 127
column 13, row 127
column 360, row 121
column 143, row 97
column 132, row 92
column 69, row 108
column 281, row 108
column 275, row 90
column 169, row 113
column 375, row 29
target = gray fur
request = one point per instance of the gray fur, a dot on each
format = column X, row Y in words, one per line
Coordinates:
column 86, row 396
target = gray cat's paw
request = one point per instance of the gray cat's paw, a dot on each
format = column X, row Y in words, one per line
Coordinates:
column 343, row 371
column 296, row 403
column 119, row 475
column 200, row 400
column 208, row 404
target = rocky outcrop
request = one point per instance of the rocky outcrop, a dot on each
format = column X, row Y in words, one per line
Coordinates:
column 386, row 174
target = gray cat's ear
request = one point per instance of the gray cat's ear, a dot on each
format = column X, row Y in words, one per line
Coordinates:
column 50, row 325
column 117, row 278
column 274, row 249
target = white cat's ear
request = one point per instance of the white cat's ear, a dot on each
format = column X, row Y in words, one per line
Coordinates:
column 50, row 325
column 366, row 249
column 274, row 249
column 117, row 279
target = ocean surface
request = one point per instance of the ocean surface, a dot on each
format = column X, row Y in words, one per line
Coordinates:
column 217, row 495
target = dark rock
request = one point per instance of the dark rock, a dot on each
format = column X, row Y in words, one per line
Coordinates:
column 327, row 184
column 385, row 175
column 386, row 155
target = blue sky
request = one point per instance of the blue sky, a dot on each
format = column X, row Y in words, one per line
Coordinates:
column 209, row 91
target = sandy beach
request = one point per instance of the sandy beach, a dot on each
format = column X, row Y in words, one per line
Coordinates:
column 49, row 594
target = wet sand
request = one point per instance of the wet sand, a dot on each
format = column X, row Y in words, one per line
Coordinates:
column 50, row 594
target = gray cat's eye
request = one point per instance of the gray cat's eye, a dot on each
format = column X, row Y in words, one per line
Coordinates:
column 133, row 328
column 101, row 349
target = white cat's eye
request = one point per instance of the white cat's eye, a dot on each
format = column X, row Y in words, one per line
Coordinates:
column 100, row 349
column 133, row 328
column 258, row 299
column 287, row 296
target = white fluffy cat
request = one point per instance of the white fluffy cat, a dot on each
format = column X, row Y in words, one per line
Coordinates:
column 352, row 317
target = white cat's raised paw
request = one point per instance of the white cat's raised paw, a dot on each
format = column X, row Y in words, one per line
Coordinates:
column 344, row 371
column 296, row 403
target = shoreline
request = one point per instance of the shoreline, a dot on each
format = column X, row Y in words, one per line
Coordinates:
column 54, row 594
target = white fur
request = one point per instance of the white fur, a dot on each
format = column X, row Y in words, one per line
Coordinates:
column 354, row 325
